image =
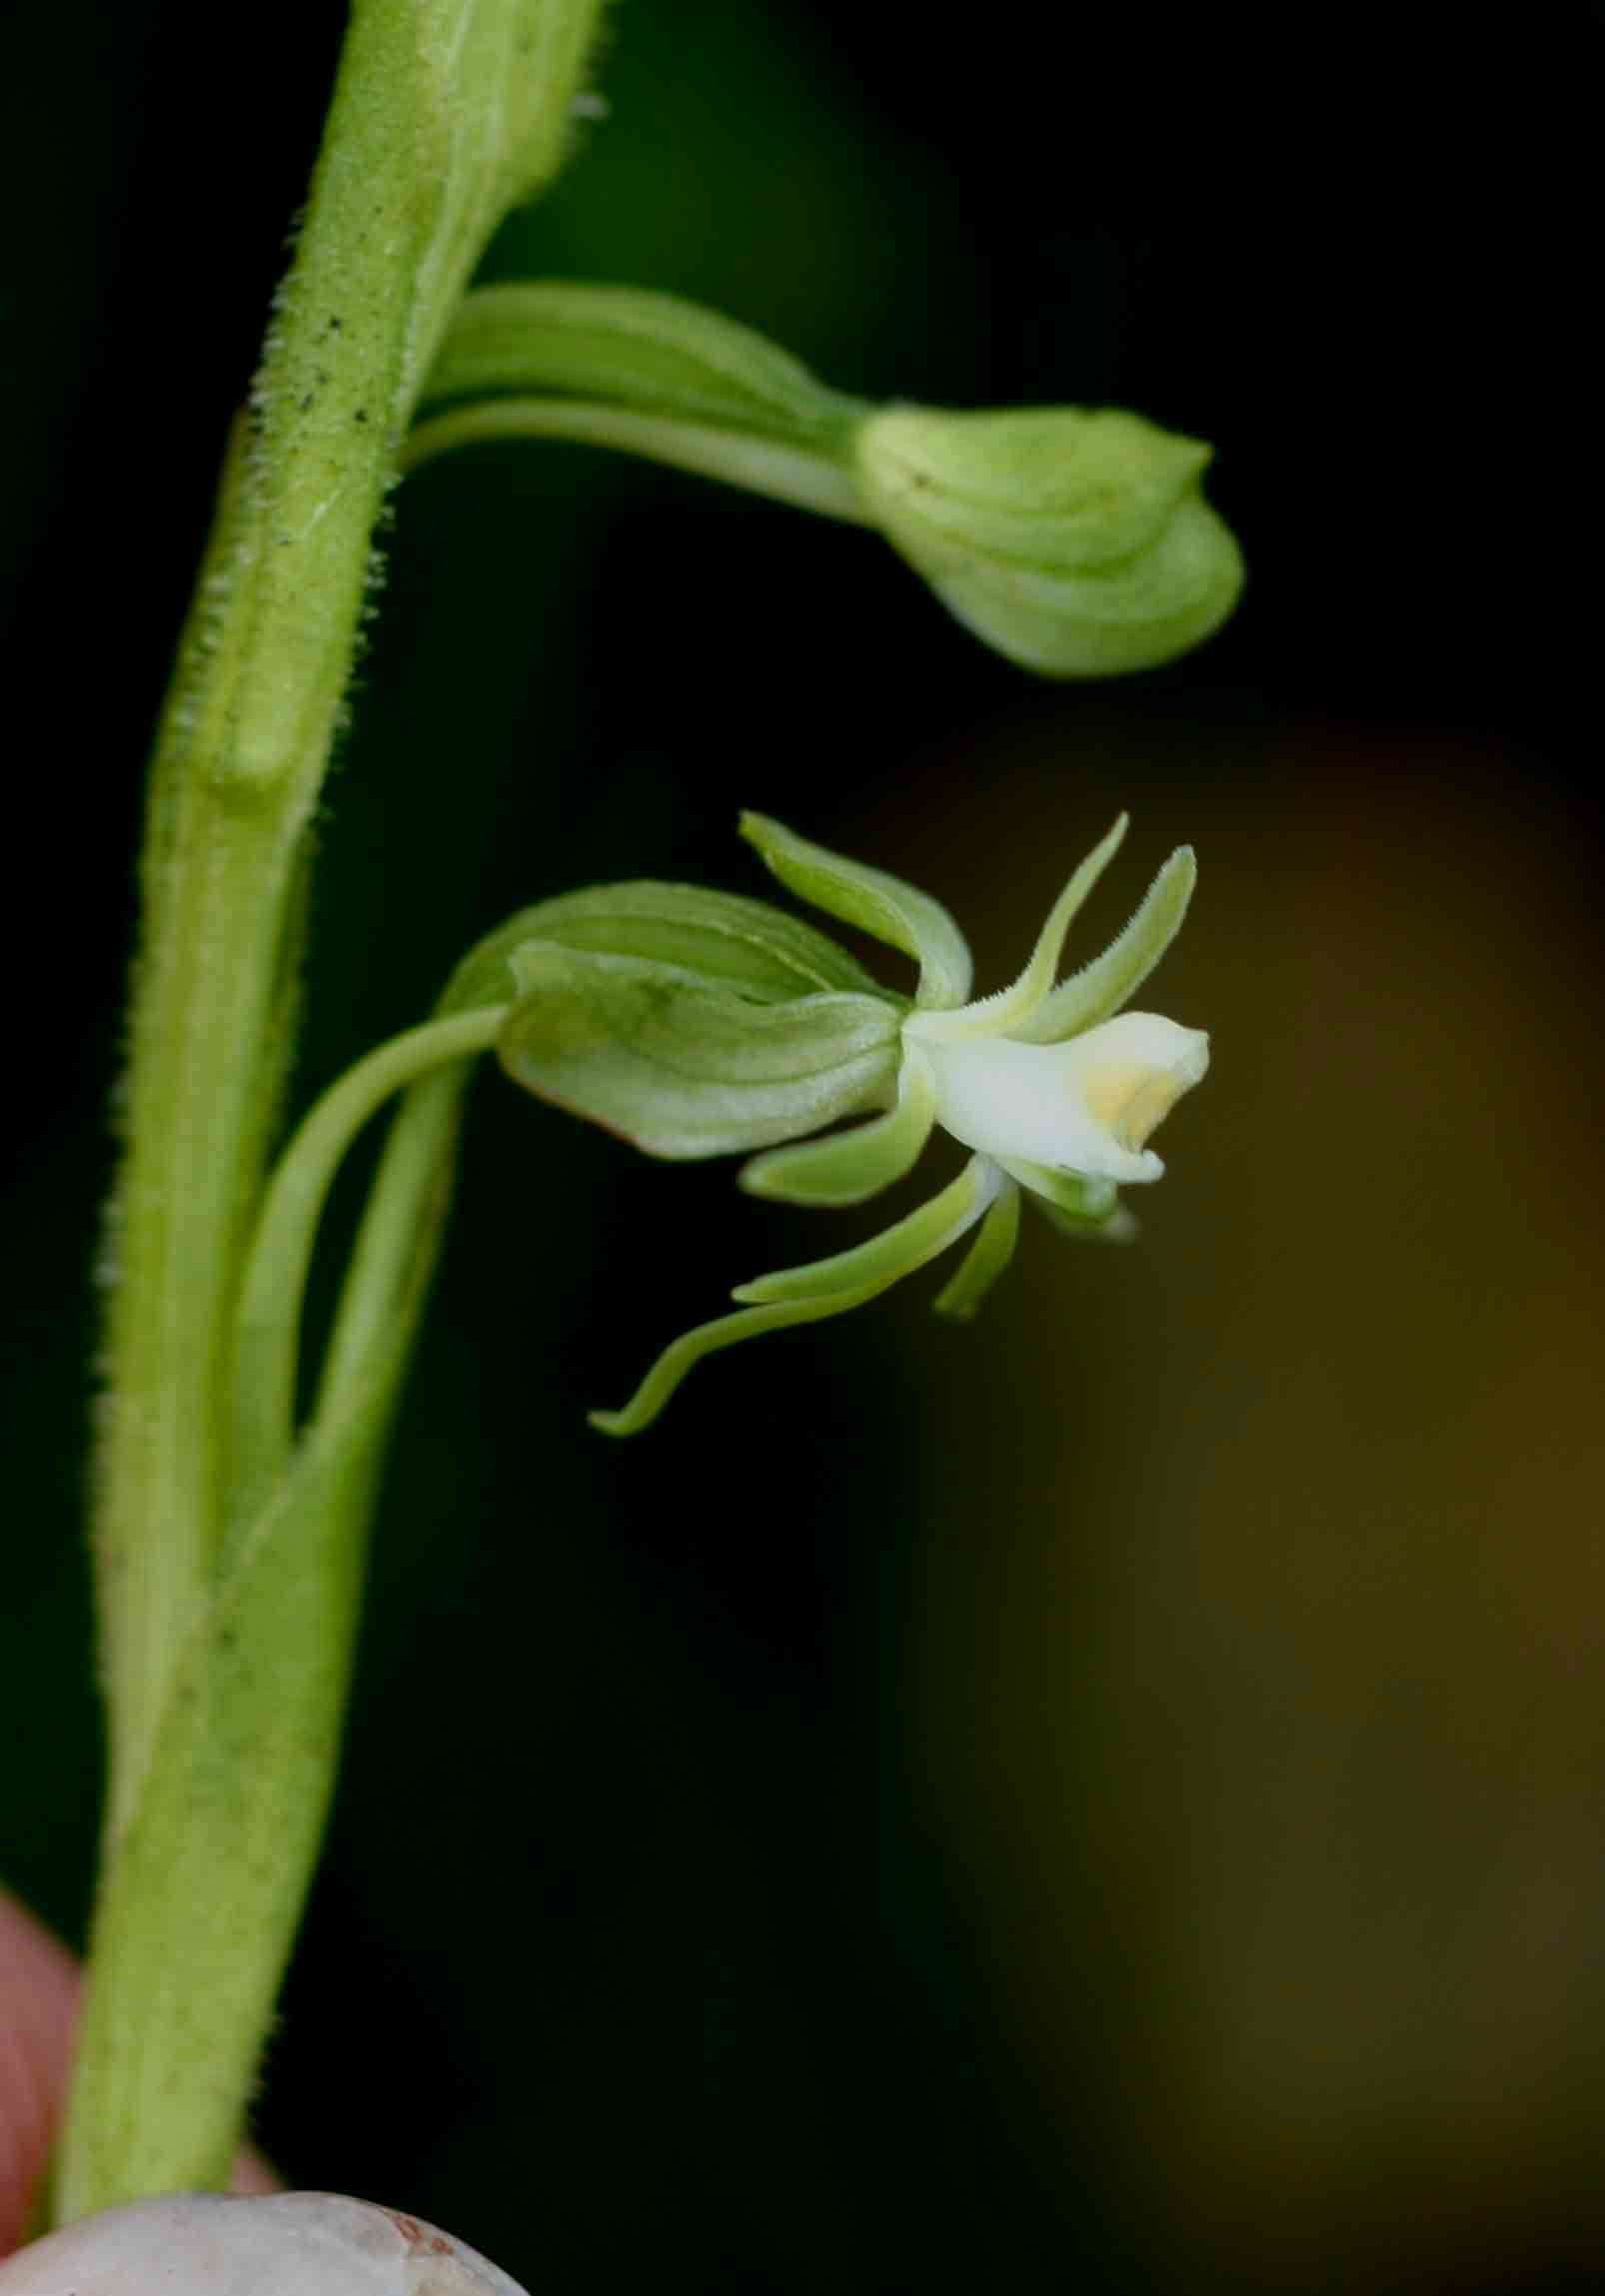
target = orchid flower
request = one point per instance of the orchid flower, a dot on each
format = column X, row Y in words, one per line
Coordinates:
column 697, row 1024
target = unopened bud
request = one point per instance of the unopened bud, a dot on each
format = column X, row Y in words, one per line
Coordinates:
column 1077, row 541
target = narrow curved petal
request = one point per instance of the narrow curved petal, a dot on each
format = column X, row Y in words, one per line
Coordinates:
column 896, row 1252
column 1100, row 988
column 828, row 1288
column 685, row 1353
column 875, row 901
column 985, row 1259
column 849, row 1167
column 1005, row 1010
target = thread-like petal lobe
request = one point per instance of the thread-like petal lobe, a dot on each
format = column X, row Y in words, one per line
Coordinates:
column 1003, row 1013
column 1099, row 990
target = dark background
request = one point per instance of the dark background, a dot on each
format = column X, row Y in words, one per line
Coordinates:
column 1116, row 1796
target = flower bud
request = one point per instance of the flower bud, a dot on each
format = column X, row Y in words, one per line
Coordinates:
column 1075, row 541
column 289, row 2244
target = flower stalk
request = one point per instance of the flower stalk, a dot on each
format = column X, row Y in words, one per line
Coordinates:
column 413, row 166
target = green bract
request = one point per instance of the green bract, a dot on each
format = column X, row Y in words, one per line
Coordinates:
column 1075, row 541
column 697, row 1024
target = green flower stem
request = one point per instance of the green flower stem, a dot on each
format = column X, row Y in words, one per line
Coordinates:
column 198, row 1911
column 225, row 1669
column 806, row 479
column 241, row 754
column 280, row 1254
column 399, row 1239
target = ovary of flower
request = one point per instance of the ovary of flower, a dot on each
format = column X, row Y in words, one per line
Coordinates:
column 1087, row 1106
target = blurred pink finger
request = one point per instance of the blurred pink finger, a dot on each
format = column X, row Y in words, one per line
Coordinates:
column 38, row 2007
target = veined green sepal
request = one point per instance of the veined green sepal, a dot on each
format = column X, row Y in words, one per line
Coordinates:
column 684, row 1070
column 708, row 938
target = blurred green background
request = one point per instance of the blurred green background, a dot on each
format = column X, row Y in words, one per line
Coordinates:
column 1117, row 1795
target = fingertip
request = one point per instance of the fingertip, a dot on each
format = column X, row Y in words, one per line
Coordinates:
column 38, row 2005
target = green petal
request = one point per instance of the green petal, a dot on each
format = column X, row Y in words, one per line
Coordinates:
column 684, row 1070
column 997, row 1015
column 878, row 903
column 1100, row 988
column 710, row 939
column 986, row 1260
column 913, row 1242
column 848, row 1167
column 895, row 1253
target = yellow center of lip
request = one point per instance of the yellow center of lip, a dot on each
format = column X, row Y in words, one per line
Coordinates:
column 1131, row 1102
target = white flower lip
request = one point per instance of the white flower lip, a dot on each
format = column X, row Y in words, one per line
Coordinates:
column 1086, row 1106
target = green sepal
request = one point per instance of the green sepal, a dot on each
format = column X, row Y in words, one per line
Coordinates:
column 1004, row 1012
column 875, row 902
column 986, row 1260
column 850, row 1167
column 1099, row 990
column 628, row 346
column 708, row 938
column 684, row 1070
column 923, row 1235
column 1056, row 489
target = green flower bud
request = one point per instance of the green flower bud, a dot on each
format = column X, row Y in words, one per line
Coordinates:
column 1077, row 541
